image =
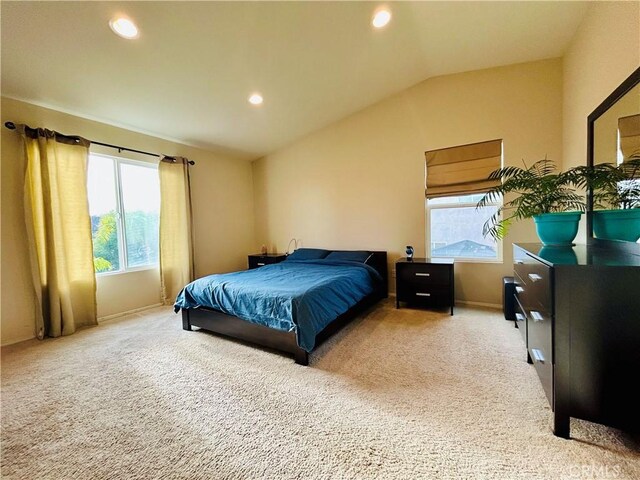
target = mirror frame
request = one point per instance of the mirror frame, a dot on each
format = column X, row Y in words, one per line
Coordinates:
column 608, row 102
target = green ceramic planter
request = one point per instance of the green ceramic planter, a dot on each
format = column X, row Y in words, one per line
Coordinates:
column 617, row 224
column 557, row 229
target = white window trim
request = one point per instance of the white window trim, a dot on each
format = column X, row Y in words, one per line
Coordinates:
column 122, row 244
column 499, row 244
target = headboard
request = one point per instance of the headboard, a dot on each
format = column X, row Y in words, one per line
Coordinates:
column 378, row 261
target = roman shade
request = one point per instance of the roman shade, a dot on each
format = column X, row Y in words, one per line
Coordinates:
column 629, row 128
column 462, row 170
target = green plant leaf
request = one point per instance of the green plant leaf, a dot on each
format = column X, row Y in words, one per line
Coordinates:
column 540, row 188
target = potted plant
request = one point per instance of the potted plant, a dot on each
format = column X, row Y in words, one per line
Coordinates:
column 542, row 193
column 616, row 198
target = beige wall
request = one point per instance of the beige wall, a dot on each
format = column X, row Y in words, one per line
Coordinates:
column 603, row 53
column 359, row 183
column 222, row 203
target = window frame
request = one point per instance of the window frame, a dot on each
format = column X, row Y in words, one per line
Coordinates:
column 120, row 214
column 428, row 208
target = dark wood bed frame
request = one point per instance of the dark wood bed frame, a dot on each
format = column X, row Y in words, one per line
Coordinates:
column 234, row 327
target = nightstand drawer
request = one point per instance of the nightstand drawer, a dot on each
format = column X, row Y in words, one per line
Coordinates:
column 424, row 274
column 426, row 298
column 406, row 292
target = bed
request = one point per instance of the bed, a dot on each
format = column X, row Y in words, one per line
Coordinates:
column 291, row 306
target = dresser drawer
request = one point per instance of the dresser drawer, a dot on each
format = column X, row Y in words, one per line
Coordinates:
column 540, row 346
column 529, row 298
column 521, row 320
column 418, row 275
column 534, row 284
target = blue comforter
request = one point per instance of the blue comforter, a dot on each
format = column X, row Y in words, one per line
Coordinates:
column 301, row 296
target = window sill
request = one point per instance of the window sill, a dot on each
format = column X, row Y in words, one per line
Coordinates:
column 129, row 270
column 475, row 260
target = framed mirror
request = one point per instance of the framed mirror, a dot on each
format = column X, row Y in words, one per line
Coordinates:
column 613, row 137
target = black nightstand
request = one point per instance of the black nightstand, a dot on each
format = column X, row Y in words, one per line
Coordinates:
column 425, row 282
column 259, row 260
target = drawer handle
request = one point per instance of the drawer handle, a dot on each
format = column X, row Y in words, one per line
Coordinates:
column 519, row 317
column 519, row 289
column 520, row 262
column 537, row 355
column 423, row 294
column 535, row 277
column 423, row 274
column 260, row 264
column 537, row 316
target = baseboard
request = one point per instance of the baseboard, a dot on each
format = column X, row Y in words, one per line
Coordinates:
column 100, row 319
column 495, row 306
column 14, row 341
column 128, row 312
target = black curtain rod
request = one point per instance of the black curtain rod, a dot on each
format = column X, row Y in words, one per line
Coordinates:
column 12, row 126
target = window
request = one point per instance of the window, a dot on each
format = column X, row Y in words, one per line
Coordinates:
column 455, row 229
column 124, row 204
column 456, row 179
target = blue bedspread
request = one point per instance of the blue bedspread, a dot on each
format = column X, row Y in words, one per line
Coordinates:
column 301, row 296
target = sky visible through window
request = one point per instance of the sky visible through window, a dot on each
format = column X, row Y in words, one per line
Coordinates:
column 101, row 185
column 141, row 193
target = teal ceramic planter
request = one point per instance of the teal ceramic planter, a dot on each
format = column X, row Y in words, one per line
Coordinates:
column 557, row 229
column 617, row 224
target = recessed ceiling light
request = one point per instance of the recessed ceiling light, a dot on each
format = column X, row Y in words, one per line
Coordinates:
column 381, row 18
column 124, row 27
column 255, row 99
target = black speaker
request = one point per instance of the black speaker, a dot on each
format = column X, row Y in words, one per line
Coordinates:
column 508, row 300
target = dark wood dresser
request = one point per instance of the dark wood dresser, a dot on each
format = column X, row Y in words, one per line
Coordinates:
column 260, row 260
column 425, row 282
column 578, row 309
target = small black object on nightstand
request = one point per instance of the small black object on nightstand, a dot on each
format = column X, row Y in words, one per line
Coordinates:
column 259, row 260
column 426, row 282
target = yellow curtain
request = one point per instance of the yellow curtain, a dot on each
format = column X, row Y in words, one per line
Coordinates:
column 176, row 248
column 59, row 231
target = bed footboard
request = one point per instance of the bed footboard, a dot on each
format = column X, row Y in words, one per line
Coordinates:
column 234, row 327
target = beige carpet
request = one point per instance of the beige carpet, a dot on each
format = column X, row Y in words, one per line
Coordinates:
column 397, row 395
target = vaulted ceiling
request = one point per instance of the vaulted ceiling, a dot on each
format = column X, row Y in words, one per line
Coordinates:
column 188, row 75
